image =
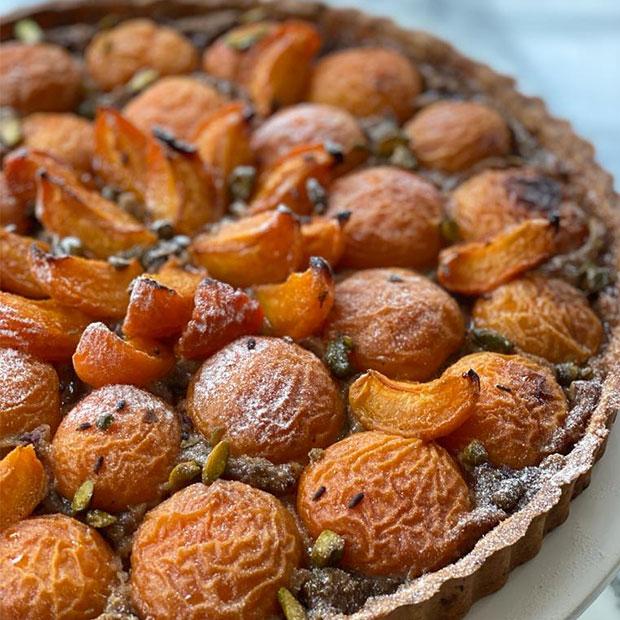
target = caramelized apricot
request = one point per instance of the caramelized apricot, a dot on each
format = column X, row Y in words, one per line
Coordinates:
column 396, row 501
column 367, row 81
column 259, row 249
column 221, row 314
column 120, row 152
column 93, row 286
column 454, row 135
column 177, row 104
column 422, row 410
column 38, row 78
column 29, row 394
column 492, row 200
column 103, row 358
column 307, row 123
column 66, row 136
column 179, row 187
column 115, row 55
column 13, row 212
column 55, row 567
column 520, row 408
column 23, row 485
column 123, row 439
column 230, row 547
column 43, row 328
column 546, row 317
column 324, row 237
column 67, row 208
column 299, row 306
column 273, row 398
column 479, row 267
column 285, row 183
column 401, row 324
column 394, row 220
column 15, row 275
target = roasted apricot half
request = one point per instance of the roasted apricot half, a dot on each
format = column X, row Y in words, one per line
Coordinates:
column 29, row 393
column 43, row 327
column 94, row 286
column 15, row 274
column 396, row 501
column 422, row 410
column 103, row 358
column 122, row 439
column 324, row 237
column 272, row 398
column 221, row 314
column 227, row 542
column 299, row 306
column 479, row 267
column 73, row 567
column 259, row 249
column 400, row 323
column 543, row 316
column 23, row 485
column 520, row 408
column 285, row 183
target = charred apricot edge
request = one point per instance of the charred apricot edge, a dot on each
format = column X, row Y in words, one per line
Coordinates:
column 324, row 237
column 93, row 286
column 23, row 485
column 15, row 276
column 298, row 307
column 479, row 267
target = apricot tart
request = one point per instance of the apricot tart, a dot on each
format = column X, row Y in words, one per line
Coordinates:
column 302, row 315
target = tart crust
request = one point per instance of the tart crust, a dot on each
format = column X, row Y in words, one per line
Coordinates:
column 449, row 592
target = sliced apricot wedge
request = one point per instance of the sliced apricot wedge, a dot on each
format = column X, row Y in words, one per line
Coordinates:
column 15, row 276
column 423, row 410
column 284, row 183
column 120, row 152
column 67, row 208
column 93, row 286
column 258, row 249
column 325, row 237
column 43, row 328
column 479, row 267
column 103, row 358
column 221, row 314
column 23, row 485
column 299, row 306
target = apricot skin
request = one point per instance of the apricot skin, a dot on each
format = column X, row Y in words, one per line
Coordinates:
column 274, row 399
column 29, row 393
column 413, row 495
column 546, row 317
column 115, row 55
column 55, row 568
column 394, row 218
column 38, row 78
column 401, row 324
column 217, row 552
column 138, row 447
column 520, row 407
column 13, row 212
column 324, row 237
column 23, row 484
column 367, row 82
column 15, row 275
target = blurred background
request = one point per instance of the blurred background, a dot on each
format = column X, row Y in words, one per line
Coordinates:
column 568, row 52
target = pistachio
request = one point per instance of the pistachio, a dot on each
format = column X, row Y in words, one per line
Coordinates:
column 473, row 454
column 163, row 229
column 403, row 158
column 69, row 246
column 385, row 136
column 28, row 31
column 100, row 518
column 104, row 421
column 82, row 496
column 241, row 182
column 215, row 463
column 217, row 434
column 292, row 608
column 258, row 14
column 243, row 41
column 568, row 372
column 327, row 549
column 10, row 128
column 317, row 195
column 490, row 340
column 182, row 474
column 594, row 279
column 141, row 79
column 508, row 494
column 449, row 230
column 337, row 356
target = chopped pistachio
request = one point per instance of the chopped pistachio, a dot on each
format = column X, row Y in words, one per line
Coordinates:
column 241, row 182
column 182, row 474
column 243, row 41
column 100, row 518
column 568, row 372
column 69, row 246
column 449, row 230
column 215, row 463
column 508, row 494
column 403, row 158
column 337, row 356
column 385, row 136
column 594, row 279
column 327, row 549
column 217, row 434
column 490, row 340
column 28, row 31
column 317, row 195
column 104, row 421
column 257, row 14
column 473, row 454
column 10, row 128
column 141, row 79
column 82, row 496
column 292, row 608
column 163, row 229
